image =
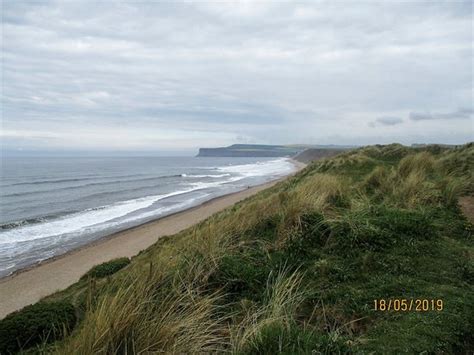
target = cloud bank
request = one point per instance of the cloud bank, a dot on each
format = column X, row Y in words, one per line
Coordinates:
column 171, row 76
column 386, row 121
column 465, row 113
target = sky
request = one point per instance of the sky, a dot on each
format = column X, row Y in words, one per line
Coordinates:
column 170, row 77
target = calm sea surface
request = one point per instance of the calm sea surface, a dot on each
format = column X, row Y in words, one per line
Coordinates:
column 49, row 206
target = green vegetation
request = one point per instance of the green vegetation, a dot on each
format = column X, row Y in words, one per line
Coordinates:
column 296, row 268
column 40, row 323
column 107, row 268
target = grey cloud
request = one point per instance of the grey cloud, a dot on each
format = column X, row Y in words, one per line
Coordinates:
column 463, row 113
column 386, row 121
column 278, row 73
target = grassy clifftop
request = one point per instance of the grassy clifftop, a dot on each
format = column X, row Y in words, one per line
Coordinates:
column 296, row 268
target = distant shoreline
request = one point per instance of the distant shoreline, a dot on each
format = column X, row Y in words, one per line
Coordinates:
column 30, row 284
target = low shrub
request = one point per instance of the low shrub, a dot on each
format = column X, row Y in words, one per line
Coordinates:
column 404, row 223
column 290, row 339
column 313, row 234
column 241, row 276
column 36, row 324
column 380, row 228
column 266, row 229
column 107, row 268
column 466, row 268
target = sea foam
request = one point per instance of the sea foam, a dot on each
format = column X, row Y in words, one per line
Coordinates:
column 51, row 236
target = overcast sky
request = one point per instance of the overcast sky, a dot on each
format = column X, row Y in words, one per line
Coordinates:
column 157, row 76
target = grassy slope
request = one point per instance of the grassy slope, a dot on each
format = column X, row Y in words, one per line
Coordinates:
column 296, row 268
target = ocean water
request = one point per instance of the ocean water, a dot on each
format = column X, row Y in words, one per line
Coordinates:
column 49, row 206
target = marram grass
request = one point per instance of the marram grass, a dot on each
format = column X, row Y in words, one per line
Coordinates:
column 296, row 268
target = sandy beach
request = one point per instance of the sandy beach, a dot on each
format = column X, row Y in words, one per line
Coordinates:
column 30, row 285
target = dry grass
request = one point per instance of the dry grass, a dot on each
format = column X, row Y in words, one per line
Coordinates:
column 284, row 295
column 152, row 314
column 322, row 191
column 412, row 190
column 345, row 160
column 407, row 184
column 139, row 318
column 452, row 188
column 163, row 302
column 415, row 164
column 377, row 179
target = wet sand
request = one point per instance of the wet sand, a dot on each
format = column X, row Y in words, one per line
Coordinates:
column 30, row 285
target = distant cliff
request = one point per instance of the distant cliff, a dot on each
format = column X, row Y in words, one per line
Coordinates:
column 251, row 150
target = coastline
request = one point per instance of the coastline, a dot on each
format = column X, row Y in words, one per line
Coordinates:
column 29, row 285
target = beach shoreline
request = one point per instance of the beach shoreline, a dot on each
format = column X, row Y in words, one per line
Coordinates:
column 29, row 285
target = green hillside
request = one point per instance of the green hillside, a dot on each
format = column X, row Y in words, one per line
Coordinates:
column 296, row 269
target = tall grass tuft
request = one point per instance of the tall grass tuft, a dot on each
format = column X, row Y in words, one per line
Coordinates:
column 160, row 313
column 417, row 164
column 412, row 190
column 452, row 188
column 284, row 295
column 377, row 180
column 323, row 191
column 407, row 184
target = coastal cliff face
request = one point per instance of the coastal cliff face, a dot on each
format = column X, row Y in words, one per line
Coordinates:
column 303, row 153
column 250, row 150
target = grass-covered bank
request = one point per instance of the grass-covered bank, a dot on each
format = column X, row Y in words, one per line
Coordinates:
column 296, row 268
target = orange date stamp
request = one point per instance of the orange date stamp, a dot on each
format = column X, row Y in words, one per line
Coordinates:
column 408, row 305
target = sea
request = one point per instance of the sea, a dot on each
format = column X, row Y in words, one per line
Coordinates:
column 51, row 205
